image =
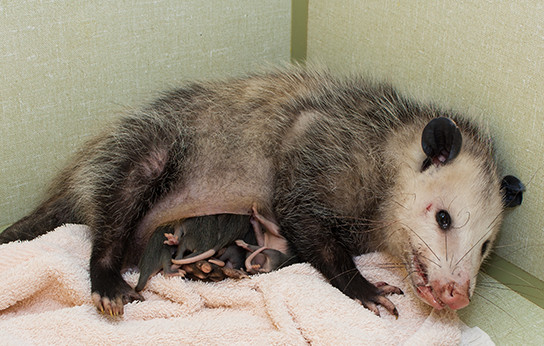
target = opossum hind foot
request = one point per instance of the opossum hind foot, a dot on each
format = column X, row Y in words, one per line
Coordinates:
column 380, row 299
column 113, row 304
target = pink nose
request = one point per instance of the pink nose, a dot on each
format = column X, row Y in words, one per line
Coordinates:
column 452, row 294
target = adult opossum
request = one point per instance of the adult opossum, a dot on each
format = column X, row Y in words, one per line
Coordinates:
column 342, row 165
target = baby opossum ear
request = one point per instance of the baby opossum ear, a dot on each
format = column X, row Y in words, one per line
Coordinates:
column 441, row 141
column 512, row 191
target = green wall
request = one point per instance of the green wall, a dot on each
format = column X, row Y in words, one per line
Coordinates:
column 70, row 67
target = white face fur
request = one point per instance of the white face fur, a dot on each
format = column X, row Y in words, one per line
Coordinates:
column 444, row 221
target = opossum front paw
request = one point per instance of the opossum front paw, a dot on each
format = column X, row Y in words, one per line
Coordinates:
column 380, row 299
column 112, row 303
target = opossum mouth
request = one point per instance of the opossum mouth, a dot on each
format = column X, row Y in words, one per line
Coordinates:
column 422, row 286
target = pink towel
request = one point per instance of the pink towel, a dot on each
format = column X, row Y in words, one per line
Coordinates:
column 45, row 299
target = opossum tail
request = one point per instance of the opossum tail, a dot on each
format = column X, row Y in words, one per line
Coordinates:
column 52, row 213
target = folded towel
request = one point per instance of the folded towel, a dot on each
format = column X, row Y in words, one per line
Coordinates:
column 45, row 299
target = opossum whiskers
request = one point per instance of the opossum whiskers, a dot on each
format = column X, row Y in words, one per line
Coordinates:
column 451, row 265
column 361, row 226
column 409, row 272
column 489, row 230
column 424, row 242
column 381, row 242
column 371, row 226
column 446, row 245
column 497, row 306
column 519, row 247
column 391, row 265
column 430, row 260
column 466, row 222
column 500, row 286
column 355, row 273
column 527, row 283
column 404, row 194
column 497, row 287
column 353, row 270
column 360, row 221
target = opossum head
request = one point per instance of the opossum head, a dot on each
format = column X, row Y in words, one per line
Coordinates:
column 445, row 208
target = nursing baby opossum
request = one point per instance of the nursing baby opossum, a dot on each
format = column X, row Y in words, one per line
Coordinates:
column 343, row 166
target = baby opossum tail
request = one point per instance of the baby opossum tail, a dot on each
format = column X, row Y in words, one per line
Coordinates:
column 52, row 213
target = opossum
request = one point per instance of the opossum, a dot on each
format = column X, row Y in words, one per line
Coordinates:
column 344, row 166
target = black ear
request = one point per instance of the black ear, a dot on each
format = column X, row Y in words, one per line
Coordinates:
column 512, row 191
column 441, row 141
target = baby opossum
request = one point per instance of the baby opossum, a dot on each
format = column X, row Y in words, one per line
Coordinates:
column 268, row 254
column 157, row 256
column 343, row 166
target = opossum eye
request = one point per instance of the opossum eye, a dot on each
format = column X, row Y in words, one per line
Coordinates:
column 485, row 245
column 444, row 219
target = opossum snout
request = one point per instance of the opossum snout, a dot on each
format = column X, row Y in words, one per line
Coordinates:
column 451, row 294
column 456, row 296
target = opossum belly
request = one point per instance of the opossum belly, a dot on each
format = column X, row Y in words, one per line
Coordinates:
column 231, row 193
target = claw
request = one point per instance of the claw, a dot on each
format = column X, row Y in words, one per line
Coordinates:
column 114, row 306
column 372, row 307
column 385, row 288
column 380, row 299
column 388, row 305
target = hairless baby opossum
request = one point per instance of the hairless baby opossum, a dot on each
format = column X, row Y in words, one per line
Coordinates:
column 271, row 252
column 228, row 237
column 344, row 166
